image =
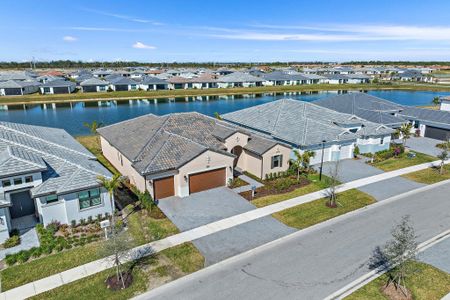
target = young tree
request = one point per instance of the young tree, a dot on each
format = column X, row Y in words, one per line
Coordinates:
column 93, row 126
column 436, row 101
column 333, row 182
column 405, row 132
column 399, row 252
column 117, row 243
column 301, row 161
column 217, row 116
column 443, row 156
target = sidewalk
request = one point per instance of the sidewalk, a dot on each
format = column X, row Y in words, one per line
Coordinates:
column 54, row 281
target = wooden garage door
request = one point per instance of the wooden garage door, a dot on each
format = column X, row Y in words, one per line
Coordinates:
column 163, row 187
column 437, row 133
column 206, row 180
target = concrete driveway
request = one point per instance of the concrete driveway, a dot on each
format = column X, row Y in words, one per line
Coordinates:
column 205, row 207
column 351, row 169
column 437, row 255
column 424, row 145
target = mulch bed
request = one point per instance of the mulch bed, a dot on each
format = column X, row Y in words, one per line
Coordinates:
column 115, row 284
column 269, row 189
column 395, row 294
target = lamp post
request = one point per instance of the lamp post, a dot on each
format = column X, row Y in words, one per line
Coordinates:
column 321, row 161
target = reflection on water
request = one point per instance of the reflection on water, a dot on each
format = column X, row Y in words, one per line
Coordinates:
column 71, row 115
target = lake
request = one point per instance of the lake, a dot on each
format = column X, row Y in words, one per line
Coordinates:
column 70, row 116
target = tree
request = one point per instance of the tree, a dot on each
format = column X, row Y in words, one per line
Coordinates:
column 333, row 182
column 301, row 161
column 443, row 156
column 398, row 253
column 436, row 101
column 217, row 116
column 93, row 126
column 116, row 242
column 405, row 132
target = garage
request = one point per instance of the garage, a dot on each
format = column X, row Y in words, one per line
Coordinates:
column 437, row 133
column 22, row 204
column 61, row 90
column 89, row 88
column 207, row 180
column 164, row 187
column 13, row 91
column 121, row 87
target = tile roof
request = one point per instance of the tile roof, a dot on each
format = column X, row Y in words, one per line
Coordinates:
column 93, row 81
column 69, row 166
column 58, row 83
column 239, row 77
column 436, row 118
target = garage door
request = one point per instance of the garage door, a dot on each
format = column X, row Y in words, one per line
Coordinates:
column 60, row 90
column 163, row 187
column 207, row 180
column 22, row 204
column 121, row 87
column 437, row 133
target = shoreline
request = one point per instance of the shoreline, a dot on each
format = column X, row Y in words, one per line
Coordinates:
column 134, row 95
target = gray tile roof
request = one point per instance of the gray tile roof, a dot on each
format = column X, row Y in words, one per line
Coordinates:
column 11, row 84
column 365, row 106
column 153, row 80
column 160, row 143
column 15, row 160
column 259, row 145
column 436, row 118
column 302, row 123
column 58, row 83
column 69, row 166
column 239, row 77
column 122, row 81
column 93, row 81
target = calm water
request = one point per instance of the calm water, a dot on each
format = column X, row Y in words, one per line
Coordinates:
column 71, row 116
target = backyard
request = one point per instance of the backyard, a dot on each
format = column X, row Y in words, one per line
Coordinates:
column 92, row 143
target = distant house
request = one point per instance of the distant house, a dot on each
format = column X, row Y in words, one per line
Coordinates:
column 336, row 78
column 152, row 83
column 16, row 88
column 46, row 174
column 204, row 81
column 179, row 83
column 94, row 85
column 358, row 78
column 123, row 84
column 239, row 79
column 57, row 87
column 307, row 126
column 184, row 153
column 410, row 75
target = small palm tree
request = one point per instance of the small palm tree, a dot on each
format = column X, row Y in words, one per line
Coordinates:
column 436, row 100
column 93, row 126
column 405, row 132
column 217, row 116
column 302, row 161
column 443, row 156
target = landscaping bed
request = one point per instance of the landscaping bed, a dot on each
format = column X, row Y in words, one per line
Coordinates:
column 396, row 158
column 277, row 186
column 427, row 283
column 237, row 182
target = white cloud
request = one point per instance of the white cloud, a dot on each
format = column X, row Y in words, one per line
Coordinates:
column 69, row 38
column 140, row 45
column 124, row 17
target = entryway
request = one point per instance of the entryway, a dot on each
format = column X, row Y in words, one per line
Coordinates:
column 22, row 204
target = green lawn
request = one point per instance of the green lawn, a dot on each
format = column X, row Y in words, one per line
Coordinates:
column 314, row 212
column 17, row 275
column 428, row 283
column 150, row 273
column 92, row 143
column 429, row 176
column 314, row 186
column 395, row 163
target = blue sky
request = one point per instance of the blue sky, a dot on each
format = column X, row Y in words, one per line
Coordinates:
column 227, row 30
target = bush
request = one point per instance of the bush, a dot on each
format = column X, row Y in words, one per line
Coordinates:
column 356, row 151
column 82, row 222
column 99, row 217
column 23, row 256
column 15, row 231
column 90, row 219
column 73, row 223
column 36, row 252
column 283, row 183
column 12, row 241
column 11, row 259
column 53, row 227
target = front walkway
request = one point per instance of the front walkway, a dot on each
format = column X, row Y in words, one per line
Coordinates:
column 59, row 279
column 350, row 170
column 28, row 236
column 251, row 183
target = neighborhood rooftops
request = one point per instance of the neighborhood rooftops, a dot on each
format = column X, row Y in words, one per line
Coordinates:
column 66, row 166
column 437, row 118
column 302, row 123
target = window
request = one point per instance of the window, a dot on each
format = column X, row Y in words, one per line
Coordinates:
column 382, row 140
column 277, row 161
column 102, row 88
column 6, row 183
column 89, row 198
column 28, row 179
column 46, row 90
column 51, row 199
column 17, row 181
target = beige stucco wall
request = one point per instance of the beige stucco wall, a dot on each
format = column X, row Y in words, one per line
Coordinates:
column 237, row 139
column 252, row 163
column 267, row 160
column 125, row 168
column 208, row 160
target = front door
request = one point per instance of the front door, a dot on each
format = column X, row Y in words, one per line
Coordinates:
column 22, row 204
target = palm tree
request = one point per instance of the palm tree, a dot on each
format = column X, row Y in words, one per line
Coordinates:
column 436, row 100
column 302, row 161
column 443, row 156
column 405, row 132
column 111, row 185
column 93, row 126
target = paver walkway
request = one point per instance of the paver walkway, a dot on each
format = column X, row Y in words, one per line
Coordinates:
column 54, row 281
column 251, row 182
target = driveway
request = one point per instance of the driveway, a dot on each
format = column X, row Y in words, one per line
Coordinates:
column 424, row 145
column 350, row 169
column 205, row 207
column 437, row 255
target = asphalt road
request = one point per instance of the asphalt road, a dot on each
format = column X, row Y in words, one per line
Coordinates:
column 312, row 264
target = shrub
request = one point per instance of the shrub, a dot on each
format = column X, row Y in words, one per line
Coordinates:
column 59, row 247
column 356, row 151
column 15, row 231
column 23, row 256
column 283, row 183
column 99, row 217
column 12, row 241
column 73, row 223
column 53, row 227
column 82, row 222
column 11, row 259
column 36, row 252
column 90, row 219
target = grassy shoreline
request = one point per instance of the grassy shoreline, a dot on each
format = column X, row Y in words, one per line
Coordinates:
column 129, row 95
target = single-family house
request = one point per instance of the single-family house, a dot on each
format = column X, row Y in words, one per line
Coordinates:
column 179, row 83
column 94, row 84
column 153, row 83
column 430, row 123
column 15, row 88
column 57, row 87
column 204, row 81
column 183, row 153
column 239, row 79
column 47, row 174
column 358, row 78
column 336, row 78
column 123, row 84
column 307, row 126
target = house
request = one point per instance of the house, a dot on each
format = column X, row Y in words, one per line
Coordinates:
column 410, row 75
column 57, row 87
column 204, row 81
column 152, row 83
column 46, row 173
column 94, row 85
column 123, row 84
column 183, row 153
column 336, row 78
column 358, row 78
column 14, row 88
column 307, row 126
column 179, row 83
column 430, row 123
column 444, row 103
column 365, row 106
column 239, row 79
column 276, row 78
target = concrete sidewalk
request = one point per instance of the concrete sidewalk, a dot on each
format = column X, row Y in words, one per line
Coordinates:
column 54, row 281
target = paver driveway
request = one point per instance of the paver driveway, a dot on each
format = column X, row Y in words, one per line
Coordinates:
column 216, row 204
column 350, row 170
column 424, row 145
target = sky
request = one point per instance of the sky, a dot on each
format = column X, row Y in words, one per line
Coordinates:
column 225, row 30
